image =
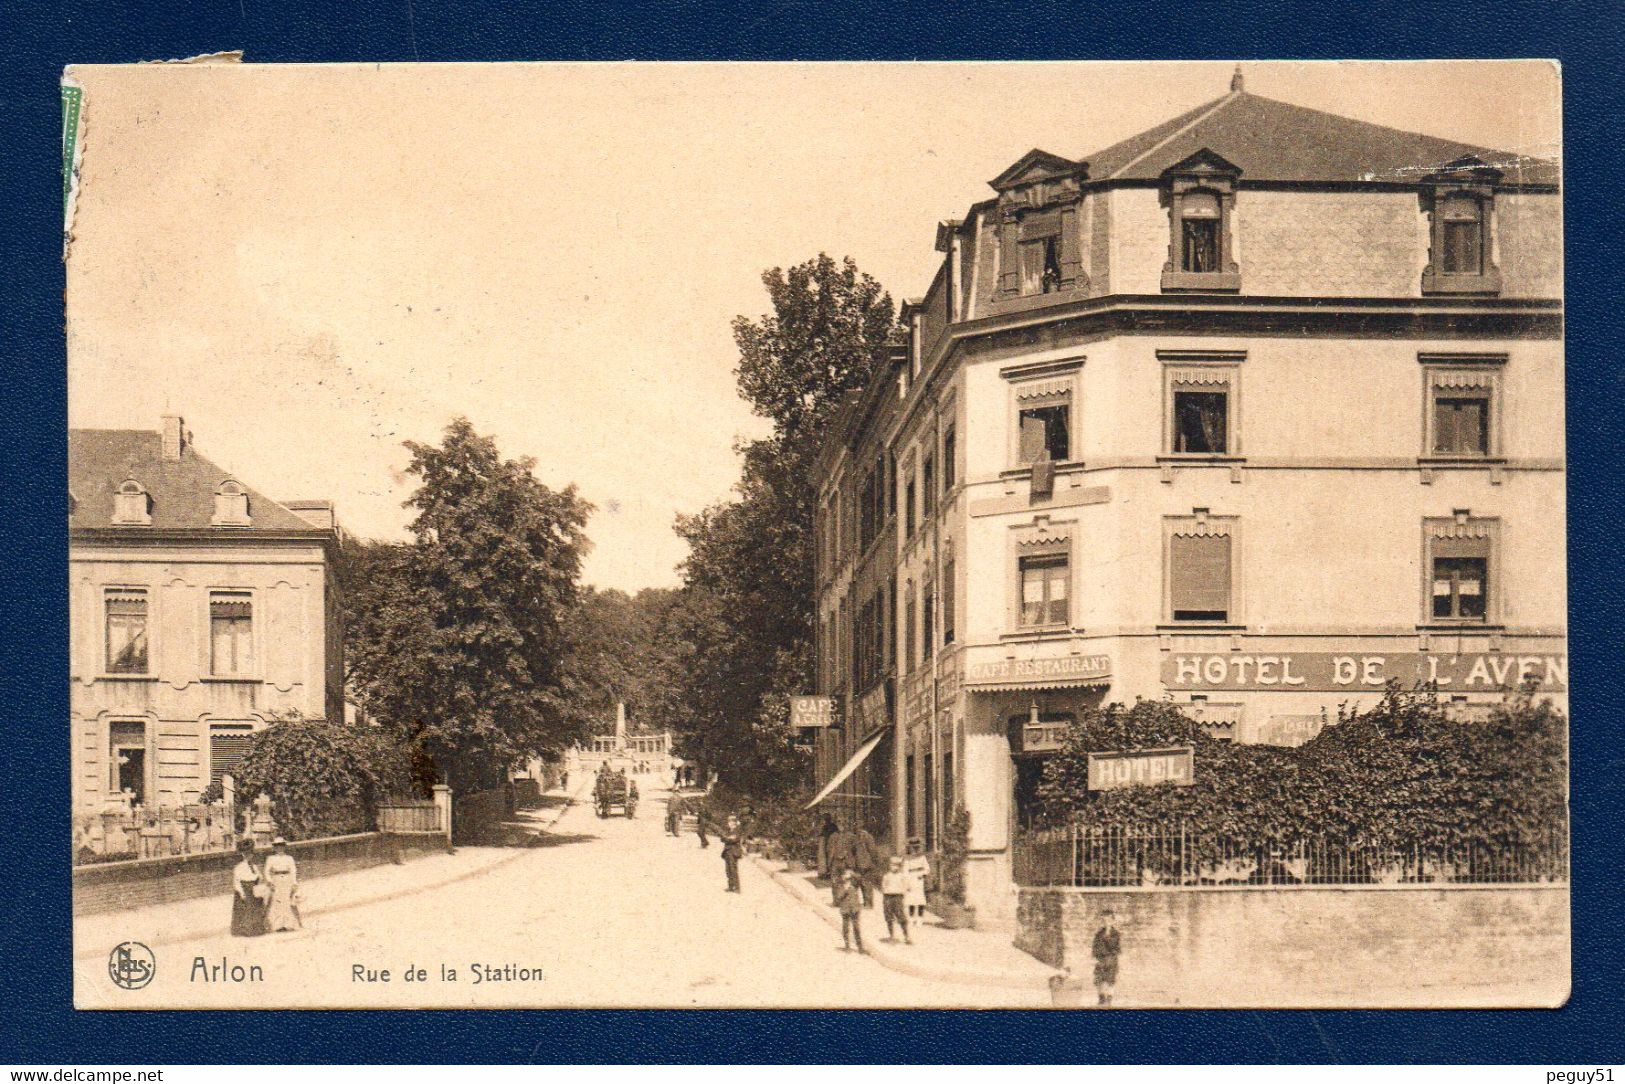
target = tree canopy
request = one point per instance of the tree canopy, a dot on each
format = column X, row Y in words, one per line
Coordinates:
column 456, row 638
column 747, row 612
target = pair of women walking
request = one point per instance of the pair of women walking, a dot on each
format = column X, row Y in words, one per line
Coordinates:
column 264, row 899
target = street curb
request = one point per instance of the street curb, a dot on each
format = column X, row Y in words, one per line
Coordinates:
column 519, row 852
column 895, row 960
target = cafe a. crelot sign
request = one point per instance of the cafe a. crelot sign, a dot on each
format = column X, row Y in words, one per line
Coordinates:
column 815, row 712
column 1174, row 764
column 1340, row 672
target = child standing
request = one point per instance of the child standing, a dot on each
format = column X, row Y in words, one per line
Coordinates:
column 893, row 889
column 849, row 898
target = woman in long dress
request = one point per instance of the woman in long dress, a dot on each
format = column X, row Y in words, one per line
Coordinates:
column 282, row 874
column 917, row 867
column 247, row 909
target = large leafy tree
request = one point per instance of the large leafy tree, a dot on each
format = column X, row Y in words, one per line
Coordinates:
column 620, row 649
column 456, row 639
column 747, row 613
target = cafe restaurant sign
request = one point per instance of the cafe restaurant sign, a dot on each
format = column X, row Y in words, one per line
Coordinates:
column 1329, row 672
column 815, row 712
column 1065, row 669
column 1175, row 764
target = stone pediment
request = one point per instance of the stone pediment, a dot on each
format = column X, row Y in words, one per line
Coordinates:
column 1036, row 167
column 1204, row 163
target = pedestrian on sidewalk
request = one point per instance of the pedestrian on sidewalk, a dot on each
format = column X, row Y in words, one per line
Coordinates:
column 247, row 894
column 699, row 822
column 849, row 898
column 853, row 848
column 893, row 890
column 282, row 874
column 733, row 850
column 827, row 830
column 1108, row 943
column 918, row 868
column 674, row 814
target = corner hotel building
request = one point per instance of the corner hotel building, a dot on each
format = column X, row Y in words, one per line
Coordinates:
column 1248, row 412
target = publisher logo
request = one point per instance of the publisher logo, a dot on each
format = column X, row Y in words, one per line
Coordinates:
column 131, row 965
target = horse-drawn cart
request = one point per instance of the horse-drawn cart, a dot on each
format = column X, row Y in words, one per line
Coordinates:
column 612, row 791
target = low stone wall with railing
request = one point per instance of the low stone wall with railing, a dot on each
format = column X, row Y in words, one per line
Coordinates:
column 143, row 882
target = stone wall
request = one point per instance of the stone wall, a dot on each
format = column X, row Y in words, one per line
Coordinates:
column 120, row 886
column 1303, row 946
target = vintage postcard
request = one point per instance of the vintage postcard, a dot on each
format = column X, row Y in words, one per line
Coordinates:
column 1070, row 535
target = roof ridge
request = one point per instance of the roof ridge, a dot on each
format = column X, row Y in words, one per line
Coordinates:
column 1204, row 114
column 1344, row 117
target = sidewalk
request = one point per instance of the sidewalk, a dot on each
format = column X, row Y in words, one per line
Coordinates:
column 209, row 916
column 970, row 957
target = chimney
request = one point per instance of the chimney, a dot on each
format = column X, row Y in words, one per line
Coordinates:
column 175, row 437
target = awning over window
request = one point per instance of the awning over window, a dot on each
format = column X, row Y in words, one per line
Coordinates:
column 849, row 767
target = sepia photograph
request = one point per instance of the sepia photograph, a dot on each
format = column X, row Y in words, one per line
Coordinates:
column 952, row 535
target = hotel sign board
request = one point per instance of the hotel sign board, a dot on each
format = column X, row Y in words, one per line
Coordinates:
column 815, row 712
column 1307, row 671
column 1135, row 767
column 1034, row 672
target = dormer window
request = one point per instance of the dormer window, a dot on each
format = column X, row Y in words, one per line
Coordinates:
column 1040, row 246
column 1460, row 201
column 131, row 505
column 230, row 505
column 1201, row 199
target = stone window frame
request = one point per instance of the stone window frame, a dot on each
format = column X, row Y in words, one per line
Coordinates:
column 1203, row 523
column 256, row 632
column 1043, row 383
column 1462, row 524
column 102, row 670
column 1202, row 369
column 1465, row 178
column 123, row 513
column 1041, row 537
column 231, row 506
column 1209, row 174
column 1443, row 372
column 148, row 747
column 1039, row 198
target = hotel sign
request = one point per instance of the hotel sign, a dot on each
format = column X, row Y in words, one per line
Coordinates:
column 1329, row 672
column 815, row 712
column 1134, row 767
column 1031, row 672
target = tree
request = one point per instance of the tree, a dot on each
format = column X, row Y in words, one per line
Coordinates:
column 457, row 638
column 619, row 650
column 748, row 583
column 323, row 778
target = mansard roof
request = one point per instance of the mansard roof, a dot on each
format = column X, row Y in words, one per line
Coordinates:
column 1271, row 141
column 181, row 490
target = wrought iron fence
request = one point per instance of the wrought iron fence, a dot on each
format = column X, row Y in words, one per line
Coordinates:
column 153, row 831
column 1180, row 858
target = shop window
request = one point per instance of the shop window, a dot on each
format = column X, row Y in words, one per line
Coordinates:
column 1200, row 558
column 1460, row 562
column 231, row 634
column 930, row 805
column 126, row 624
column 911, row 817
column 948, row 782
column 1044, row 594
column 131, row 505
column 127, row 760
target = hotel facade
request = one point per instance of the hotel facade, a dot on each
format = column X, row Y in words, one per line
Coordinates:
column 1247, row 412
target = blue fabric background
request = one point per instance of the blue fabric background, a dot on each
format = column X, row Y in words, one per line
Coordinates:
column 38, row 1024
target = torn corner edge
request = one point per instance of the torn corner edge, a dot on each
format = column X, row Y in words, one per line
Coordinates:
column 73, row 149
column 225, row 56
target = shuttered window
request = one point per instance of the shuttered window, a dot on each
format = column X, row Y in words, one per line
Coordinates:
column 1463, row 230
column 1461, row 422
column 1461, row 588
column 1044, row 595
column 1199, row 577
column 231, row 633
column 1045, row 433
column 227, row 744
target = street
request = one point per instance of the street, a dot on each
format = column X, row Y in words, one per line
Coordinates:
column 607, row 913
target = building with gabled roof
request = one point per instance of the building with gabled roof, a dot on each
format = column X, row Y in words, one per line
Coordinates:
column 199, row 609
column 1254, row 411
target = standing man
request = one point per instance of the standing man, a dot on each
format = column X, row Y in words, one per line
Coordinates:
column 825, row 833
column 674, row 813
column 733, row 850
column 868, row 864
column 1108, row 943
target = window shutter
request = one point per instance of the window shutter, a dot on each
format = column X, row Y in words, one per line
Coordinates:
column 1200, row 573
column 226, row 749
column 1043, row 483
column 1032, row 267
